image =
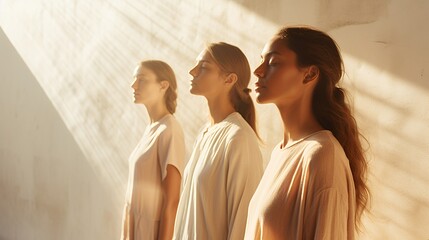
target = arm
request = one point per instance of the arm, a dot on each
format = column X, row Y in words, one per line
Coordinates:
column 329, row 217
column 171, row 194
column 243, row 175
column 125, row 223
column 330, row 197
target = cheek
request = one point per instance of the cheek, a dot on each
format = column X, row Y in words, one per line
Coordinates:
column 276, row 79
column 151, row 87
column 149, row 91
column 282, row 79
column 208, row 80
column 279, row 84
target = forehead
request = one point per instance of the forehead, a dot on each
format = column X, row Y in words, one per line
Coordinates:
column 143, row 71
column 277, row 47
column 205, row 56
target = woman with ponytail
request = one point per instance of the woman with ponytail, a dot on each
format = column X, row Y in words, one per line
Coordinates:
column 226, row 163
column 156, row 165
column 314, row 186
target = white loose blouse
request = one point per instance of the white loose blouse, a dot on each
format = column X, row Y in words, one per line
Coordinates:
column 219, row 180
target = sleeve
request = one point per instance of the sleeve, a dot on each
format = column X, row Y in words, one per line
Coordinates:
column 127, row 223
column 327, row 214
column 244, row 171
column 328, row 217
column 171, row 149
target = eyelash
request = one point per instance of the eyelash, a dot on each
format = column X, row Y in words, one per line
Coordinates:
column 203, row 68
column 270, row 63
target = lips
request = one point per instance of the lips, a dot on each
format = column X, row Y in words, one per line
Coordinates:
column 259, row 87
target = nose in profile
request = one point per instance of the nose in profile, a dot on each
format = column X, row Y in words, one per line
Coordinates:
column 259, row 71
column 193, row 71
column 134, row 85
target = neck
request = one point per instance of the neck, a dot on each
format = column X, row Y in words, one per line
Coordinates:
column 156, row 111
column 220, row 107
column 298, row 121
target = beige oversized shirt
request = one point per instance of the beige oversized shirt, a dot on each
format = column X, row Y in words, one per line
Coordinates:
column 219, row 181
column 162, row 144
column 306, row 192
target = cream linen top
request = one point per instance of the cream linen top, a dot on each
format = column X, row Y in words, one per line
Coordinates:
column 306, row 192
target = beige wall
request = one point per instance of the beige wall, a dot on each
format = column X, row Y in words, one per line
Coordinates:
column 68, row 123
column 48, row 190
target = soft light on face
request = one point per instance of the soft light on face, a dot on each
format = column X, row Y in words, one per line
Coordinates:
column 147, row 89
column 279, row 78
column 206, row 76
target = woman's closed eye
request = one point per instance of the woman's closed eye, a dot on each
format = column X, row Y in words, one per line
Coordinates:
column 145, row 81
column 204, row 68
column 273, row 62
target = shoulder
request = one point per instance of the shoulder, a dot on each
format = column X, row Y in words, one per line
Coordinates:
column 321, row 150
column 326, row 166
column 239, row 130
column 319, row 145
column 325, row 160
column 242, row 145
column 169, row 126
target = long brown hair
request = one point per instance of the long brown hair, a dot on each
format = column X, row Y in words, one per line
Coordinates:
column 314, row 47
column 231, row 59
column 164, row 72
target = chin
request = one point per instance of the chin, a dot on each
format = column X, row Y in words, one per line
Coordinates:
column 193, row 91
column 261, row 99
column 137, row 101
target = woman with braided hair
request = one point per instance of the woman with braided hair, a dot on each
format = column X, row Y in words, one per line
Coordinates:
column 156, row 164
column 226, row 164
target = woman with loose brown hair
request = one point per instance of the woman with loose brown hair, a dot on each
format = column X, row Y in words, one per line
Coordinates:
column 226, row 163
column 314, row 186
column 156, row 165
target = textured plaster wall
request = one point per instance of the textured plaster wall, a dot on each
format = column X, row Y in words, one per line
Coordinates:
column 68, row 123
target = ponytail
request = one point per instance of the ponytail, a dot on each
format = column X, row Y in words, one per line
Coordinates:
column 170, row 100
column 243, row 104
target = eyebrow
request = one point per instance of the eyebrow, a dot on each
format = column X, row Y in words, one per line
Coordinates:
column 140, row 75
column 270, row 53
column 204, row 61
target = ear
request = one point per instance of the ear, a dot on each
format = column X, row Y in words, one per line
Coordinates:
column 164, row 85
column 231, row 79
column 312, row 74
